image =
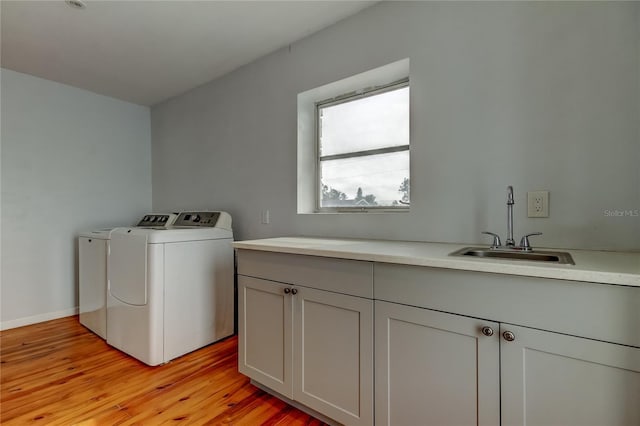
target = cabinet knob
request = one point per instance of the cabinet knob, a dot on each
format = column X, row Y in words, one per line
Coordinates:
column 287, row 290
column 509, row 336
column 294, row 291
column 487, row 331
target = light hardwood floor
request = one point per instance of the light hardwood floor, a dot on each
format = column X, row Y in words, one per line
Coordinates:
column 59, row 373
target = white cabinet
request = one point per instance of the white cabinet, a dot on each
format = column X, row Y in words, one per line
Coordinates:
column 554, row 379
column 310, row 345
column 333, row 355
column 264, row 330
column 306, row 331
column 439, row 368
column 434, row 368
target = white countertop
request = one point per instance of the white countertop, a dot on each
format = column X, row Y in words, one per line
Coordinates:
column 621, row 268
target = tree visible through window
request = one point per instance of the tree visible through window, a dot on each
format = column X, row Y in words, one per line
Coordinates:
column 363, row 149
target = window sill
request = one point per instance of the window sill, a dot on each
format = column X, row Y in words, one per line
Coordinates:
column 350, row 212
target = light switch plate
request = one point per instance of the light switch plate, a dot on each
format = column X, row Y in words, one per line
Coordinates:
column 265, row 217
column 538, row 204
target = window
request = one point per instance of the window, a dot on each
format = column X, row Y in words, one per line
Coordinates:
column 353, row 143
column 362, row 150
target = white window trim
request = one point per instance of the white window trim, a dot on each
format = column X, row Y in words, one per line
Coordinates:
column 307, row 150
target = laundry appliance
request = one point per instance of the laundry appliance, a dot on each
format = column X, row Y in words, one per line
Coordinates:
column 93, row 260
column 171, row 289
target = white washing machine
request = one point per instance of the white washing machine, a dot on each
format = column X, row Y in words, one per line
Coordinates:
column 93, row 260
column 171, row 290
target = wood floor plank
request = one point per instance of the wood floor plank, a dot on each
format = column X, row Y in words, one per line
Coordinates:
column 59, row 373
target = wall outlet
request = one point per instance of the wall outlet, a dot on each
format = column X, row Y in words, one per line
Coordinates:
column 265, row 217
column 538, row 204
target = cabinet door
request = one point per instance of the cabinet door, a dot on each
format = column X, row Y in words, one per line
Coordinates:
column 555, row 379
column 434, row 368
column 333, row 355
column 264, row 333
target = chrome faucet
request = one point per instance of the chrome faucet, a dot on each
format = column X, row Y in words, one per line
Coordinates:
column 510, row 242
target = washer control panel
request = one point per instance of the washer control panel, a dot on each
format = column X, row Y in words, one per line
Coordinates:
column 161, row 220
column 200, row 219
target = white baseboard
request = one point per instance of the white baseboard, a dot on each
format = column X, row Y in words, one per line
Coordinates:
column 19, row 322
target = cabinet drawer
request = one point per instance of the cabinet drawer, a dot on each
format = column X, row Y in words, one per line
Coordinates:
column 351, row 277
column 597, row 311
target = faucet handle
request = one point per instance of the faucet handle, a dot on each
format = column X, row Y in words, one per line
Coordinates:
column 496, row 239
column 524, row 242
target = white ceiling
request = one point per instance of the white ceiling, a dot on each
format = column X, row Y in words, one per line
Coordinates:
column 148, row 51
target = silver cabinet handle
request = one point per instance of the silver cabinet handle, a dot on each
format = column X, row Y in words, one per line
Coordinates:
column 509, row 336
column 287, row 290
column 487, row 331
column 294, row 291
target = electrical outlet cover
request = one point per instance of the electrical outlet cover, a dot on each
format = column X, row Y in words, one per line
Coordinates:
column 538, row 204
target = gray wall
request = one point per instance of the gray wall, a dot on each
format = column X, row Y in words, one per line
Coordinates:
column 71, row 161
column 538, row 95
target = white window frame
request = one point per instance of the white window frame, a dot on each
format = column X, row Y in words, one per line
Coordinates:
column 341, row 99
column 307, row 182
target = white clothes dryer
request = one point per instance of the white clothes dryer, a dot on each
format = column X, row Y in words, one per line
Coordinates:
column 93, row 249
column 93, row 260
column 171, row 290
